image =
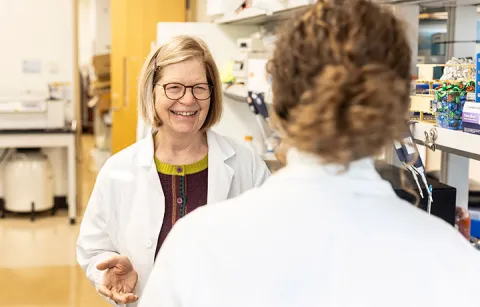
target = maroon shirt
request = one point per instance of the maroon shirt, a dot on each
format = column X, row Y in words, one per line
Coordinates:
column 183, row 194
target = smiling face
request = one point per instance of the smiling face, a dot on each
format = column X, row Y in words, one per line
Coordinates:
column 185, row 114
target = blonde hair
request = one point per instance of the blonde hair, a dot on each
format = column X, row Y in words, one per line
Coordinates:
column 175, row 50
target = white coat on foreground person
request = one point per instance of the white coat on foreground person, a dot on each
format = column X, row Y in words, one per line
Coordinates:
column 285, row 245
column 143, row 190
column 326, row 230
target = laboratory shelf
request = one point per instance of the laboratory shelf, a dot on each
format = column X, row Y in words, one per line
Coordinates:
column 251, row 16
column 236, row 92
column 421, row 103
column 451, row 141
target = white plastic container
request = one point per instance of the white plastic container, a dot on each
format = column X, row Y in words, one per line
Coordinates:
column 58, row 159
column 28, row 178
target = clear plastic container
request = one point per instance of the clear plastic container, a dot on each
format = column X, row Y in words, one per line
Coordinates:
column 449, row 101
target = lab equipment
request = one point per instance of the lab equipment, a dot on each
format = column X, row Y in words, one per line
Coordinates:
column 31, row 113
column 403, row 159
column 429, row 205
column 255, row 101
column 258, row 106
column 406, row 152
column 445, row 195
column 251, row 59
column 250, row 44
column 28, row 179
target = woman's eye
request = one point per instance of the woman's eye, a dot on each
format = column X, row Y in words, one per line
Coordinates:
column 173, row 87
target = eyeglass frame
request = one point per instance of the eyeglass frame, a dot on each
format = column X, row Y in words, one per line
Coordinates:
column 210, row 86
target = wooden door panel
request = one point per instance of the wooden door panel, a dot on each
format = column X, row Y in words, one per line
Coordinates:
column 138, row 32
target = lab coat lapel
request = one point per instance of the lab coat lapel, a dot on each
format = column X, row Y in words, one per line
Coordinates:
column 154, row 199
column 220, row 174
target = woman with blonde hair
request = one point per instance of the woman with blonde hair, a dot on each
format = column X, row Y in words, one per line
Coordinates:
column 326, row 230
column 142, row 191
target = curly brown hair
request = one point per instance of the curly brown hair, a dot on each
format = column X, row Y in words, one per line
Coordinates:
column 341, row 80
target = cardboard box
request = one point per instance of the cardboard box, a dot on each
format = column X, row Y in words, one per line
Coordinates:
column 104, row 102
column 99, row 87
column 101, row 66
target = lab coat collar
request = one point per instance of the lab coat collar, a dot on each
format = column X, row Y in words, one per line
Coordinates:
column 146, row 150
column 296, row 157
column 218, row 149
column 220, row 174
column 361, row 175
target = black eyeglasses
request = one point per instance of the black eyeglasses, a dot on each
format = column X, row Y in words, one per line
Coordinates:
column 175, row 91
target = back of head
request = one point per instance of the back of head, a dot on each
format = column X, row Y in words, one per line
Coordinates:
column 341, row 79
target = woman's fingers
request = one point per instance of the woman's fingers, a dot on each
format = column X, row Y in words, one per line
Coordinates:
column 116, row 295
column 109, row 263
column 124, row 298
column 104, row 291
column 131, row 298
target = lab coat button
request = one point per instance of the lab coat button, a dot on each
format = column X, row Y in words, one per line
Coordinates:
column 149, row 244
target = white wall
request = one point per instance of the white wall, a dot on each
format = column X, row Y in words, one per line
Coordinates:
column 38, row 30
column 86, row 31
column 201, row 11
column 94, row 29
column 102, row 26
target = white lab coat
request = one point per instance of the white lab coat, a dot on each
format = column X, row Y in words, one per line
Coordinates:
column 125, row 212
column 310, row 237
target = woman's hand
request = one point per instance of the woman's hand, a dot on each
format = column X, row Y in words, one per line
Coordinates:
column 119, row 279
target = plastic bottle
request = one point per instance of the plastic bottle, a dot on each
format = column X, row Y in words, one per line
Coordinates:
column 463, row 222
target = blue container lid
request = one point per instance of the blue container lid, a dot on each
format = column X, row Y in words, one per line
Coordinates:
column 475, row 228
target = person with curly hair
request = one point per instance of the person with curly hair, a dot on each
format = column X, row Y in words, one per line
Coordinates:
column 326, row 230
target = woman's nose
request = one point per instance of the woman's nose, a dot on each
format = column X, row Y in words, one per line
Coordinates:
column 188, row 98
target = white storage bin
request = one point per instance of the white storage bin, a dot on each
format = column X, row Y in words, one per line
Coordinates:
column 28, row 178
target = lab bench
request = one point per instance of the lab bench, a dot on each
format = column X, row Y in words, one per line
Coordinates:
column 58, row 138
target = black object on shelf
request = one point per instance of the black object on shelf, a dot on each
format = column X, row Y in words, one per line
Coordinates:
column 473, row 193
column 444, row 196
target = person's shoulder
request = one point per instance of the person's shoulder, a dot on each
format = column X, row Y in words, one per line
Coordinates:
column 426, row 233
